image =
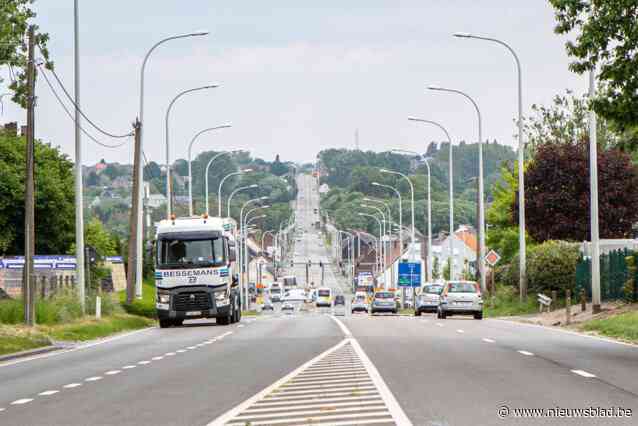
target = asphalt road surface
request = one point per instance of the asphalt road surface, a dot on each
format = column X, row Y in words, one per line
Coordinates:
column 316, row 368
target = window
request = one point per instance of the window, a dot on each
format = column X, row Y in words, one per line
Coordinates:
column 178, row 253
column 432, row 289
column 462, row 288
column 324, row 293
column 384, row 295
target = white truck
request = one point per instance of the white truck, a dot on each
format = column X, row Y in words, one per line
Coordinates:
column 195, row 273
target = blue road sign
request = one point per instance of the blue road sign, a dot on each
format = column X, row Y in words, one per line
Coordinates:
column 409, row 274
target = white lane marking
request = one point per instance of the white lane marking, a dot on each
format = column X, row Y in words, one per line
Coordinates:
column 393, row 406
column 2, row 409
column 573, row 333
column 439, row 324
column 157, row 358
column 241, row 325
column 72, row 385
column 192, row 347
column 232, row 413
column 21, row 401
column 128, row 367
column 342, row 326
column 93, row 379
column 488, row 340
column 180, row 351
column 583, row 373
column 460, row 331
column 169, row 354
column 77, row 348
column 525, row 353
column 144, row 362
column 113, row 372
column 49, row 392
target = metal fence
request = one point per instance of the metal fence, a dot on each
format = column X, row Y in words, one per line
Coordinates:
column 617, row 268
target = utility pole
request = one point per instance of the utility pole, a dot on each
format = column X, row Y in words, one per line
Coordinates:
column 133, row 223
column 28, row 282
column 593, row 199
column 79, row 191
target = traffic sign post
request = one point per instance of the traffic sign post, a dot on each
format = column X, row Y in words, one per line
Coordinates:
column 409, row 274
column 492, row 258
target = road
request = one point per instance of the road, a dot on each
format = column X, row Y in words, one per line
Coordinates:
column 353, row 369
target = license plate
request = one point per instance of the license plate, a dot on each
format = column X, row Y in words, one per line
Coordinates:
column 193, row 313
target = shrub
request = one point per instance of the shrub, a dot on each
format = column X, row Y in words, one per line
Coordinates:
column 552, row 266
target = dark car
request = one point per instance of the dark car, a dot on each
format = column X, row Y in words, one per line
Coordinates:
column 383, row 301
column 340, row 300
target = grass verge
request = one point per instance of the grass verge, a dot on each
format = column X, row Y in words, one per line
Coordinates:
column 145, row 306
column 90, row 329
column 14, row 339
column 622, row 326
column 506, row 303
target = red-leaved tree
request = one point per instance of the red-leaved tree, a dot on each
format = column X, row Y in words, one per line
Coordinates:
column 557, row 193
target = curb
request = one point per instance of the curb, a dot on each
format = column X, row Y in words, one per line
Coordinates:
column 36, row 351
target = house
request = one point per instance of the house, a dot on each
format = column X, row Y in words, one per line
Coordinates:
column 99, row 167
column 464, row 244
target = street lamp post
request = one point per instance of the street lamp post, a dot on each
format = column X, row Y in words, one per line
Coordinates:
column 378, row 210
column 351, row 256
column 521, row 169
column 206, row 169
column 190, row 170
column 481, row 253
column 242, row 188
column 219, row 190
column 398, row 194
column 392, row 172
column 168, row 160
column 246, row 261
column 388, row 233
column 242, row 283
column 381, row 234
column 451, row 184
column 140, row 160
column 427, row 165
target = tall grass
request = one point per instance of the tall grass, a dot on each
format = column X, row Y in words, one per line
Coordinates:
column 58, row 309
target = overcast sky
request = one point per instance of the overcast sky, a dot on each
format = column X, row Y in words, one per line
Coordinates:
column 294, row 78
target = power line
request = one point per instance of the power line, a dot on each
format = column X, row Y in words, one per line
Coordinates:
column 73, row 119
column 104, row 132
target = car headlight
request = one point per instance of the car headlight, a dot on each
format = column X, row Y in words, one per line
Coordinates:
column 164, row 298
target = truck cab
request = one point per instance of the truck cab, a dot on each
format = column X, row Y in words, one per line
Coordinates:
column 195, row 271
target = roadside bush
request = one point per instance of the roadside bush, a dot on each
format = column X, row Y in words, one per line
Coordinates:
column 11, row 311
column 552, row 266
column 60, row 308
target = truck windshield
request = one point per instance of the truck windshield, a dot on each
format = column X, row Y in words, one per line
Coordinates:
column 177, row 253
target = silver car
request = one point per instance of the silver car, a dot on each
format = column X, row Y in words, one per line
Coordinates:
column 461, row 298
column 428, row 300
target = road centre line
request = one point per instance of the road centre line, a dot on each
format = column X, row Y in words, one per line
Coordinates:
column 21, row 401
column 583, row 373
column 49, row 392
column 525, row 353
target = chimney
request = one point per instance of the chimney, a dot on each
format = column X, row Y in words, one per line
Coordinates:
column 11, row 129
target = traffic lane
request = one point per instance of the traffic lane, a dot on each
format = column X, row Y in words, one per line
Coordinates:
column 187, row 388
column 25, row 377
column 442, row 376
column 612, row 362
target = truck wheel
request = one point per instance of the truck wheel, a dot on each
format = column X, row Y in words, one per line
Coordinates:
column 478, row 315
column 165, row 323
column 223, row 320
column 178, row 322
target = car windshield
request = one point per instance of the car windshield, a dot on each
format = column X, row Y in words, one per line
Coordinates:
column 461, row 288
column 323, row 293
column 178, row 253
column 432, row 289
column 384, row 295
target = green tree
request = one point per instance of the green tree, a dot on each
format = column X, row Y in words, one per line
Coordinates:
column 606, row 37
column 278, row 168
column 54, row 198
column 15, row 18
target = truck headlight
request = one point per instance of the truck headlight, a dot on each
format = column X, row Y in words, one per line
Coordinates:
column 221, row 298
column 164, row 298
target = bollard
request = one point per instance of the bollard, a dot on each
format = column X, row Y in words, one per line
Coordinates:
column 568, row 306
column 583, row 301
column 98, row 307
column 552, row 305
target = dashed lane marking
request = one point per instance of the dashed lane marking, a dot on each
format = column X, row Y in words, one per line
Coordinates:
column 21, row 401
column 144, row 362
column 583, row 373
column 180, row 351
column 460, row 331
column 488, row 340
column 128, row 367
column 157, row 358
column 169, row 354
column 93, row 379
column 49, row 392
column 113, row 372
column 526, row 353
column 72, row 385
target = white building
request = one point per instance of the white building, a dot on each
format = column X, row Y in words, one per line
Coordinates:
column 155, row 200
column 464, row 249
